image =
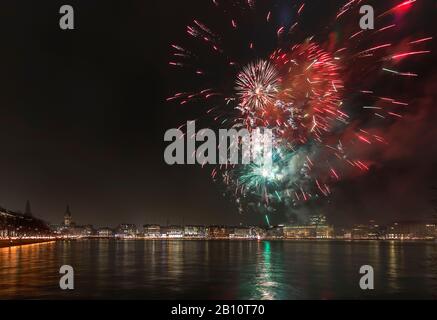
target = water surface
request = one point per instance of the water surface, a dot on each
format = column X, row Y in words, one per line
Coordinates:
column 110, row 269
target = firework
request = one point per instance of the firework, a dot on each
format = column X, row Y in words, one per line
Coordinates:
column 308, row 89
column 257, row 85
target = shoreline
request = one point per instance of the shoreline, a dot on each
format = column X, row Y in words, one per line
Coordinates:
column 6, row 243
column 253, row 240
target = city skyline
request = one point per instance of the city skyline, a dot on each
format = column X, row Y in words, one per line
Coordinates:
column 68, row 222
column 429, row 217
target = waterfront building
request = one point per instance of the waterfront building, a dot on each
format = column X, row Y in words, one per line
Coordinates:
column 173, row 231
column 164, row 230
column 406, row 230
column 377, row 231
column 324, row 232
column 105, row 232
column 126, row 230
column 308, row 232
column 218, row 232
column 195, row 231
column 342, row 233
column 56, row 228
column 360, row 232
column 75, row 232
column 299, row 232
column 241, row 233
column 15, row 224
column 258, row 232
column 372, row 231
column 152, row 230
column 88, row 230
column 275, row 232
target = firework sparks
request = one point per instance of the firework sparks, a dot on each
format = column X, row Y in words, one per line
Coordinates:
column 304, row 91
column 257, row 84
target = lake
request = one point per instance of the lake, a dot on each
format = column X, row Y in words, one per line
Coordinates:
column 139, row 269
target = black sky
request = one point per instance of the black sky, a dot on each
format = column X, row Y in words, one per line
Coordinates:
column 83, row 118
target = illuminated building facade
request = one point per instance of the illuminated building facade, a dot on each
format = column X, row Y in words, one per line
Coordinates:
column 317, row 228
column 15, row 224
column 299, row 232
column 218, row 232
column 105, row 232
column 275, row 232
column 152, row 230
column 126, row 230
column 241, row 233
column 172, row 231
column 360, row 232
column 195, row 232
column 412, row 230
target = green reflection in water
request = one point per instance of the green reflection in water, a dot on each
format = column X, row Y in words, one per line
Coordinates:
column 266, row 280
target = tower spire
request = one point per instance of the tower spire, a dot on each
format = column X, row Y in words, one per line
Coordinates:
column 28, row 210
column 67, row 217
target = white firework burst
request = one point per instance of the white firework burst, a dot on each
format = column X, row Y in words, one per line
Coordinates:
column 257, row 84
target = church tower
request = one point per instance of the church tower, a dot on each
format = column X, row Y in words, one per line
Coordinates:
column 28, row 210
column 67, row 217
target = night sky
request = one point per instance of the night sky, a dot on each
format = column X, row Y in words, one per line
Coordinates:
column 83, row 117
